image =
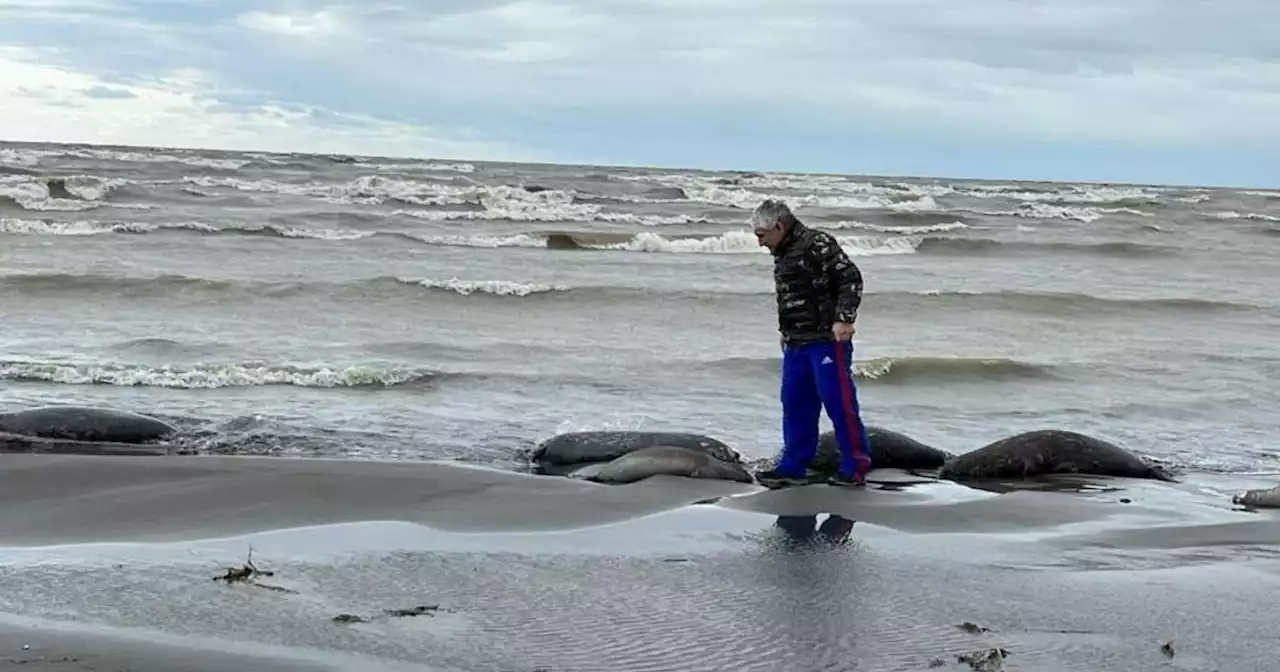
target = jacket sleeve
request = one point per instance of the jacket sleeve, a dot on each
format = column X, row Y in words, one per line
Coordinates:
column 842, row 273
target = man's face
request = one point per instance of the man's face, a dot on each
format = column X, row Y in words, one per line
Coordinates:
column 769, row 238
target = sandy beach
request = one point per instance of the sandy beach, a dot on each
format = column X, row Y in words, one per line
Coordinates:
column 108, row 563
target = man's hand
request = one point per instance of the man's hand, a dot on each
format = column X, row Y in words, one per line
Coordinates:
column 843, row 331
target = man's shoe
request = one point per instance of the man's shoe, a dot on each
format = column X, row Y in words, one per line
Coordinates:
column 772, row 478
column 847, row 481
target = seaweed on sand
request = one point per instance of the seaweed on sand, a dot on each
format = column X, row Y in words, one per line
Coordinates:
column 248, row 574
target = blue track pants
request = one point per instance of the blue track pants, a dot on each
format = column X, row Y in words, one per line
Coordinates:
column 814, row 376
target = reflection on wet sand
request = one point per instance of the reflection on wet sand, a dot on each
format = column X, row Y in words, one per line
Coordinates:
column 835, row 530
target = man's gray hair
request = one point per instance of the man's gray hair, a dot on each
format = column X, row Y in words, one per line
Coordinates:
column 771, row 214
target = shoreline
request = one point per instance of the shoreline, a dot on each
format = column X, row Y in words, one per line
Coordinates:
column 110, row 560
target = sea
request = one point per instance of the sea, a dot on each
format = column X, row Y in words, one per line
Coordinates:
column 447, row 309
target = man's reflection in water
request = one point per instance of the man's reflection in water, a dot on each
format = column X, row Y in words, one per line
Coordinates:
column 805, row 530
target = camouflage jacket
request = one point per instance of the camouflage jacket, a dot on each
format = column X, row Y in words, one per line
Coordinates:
column 817, row 285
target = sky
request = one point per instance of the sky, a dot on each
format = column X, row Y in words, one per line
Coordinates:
column 1163, row 91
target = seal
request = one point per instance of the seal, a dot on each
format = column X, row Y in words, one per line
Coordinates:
column 1049, row 451
column 1264, row 498
column 17, row 443
column 576, row 448
column 671, row 460
column 85, row 423
column 889, row 450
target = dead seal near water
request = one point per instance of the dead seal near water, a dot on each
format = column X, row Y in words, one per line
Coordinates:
column 670, row 460
column 85, row 423
column 17, row 443
column 1262, row 498
column 577, row 448
column 1049, row 451
column 889, row 450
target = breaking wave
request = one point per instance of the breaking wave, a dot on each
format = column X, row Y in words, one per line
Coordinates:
column 1255, row 216
column 896, row 240
column 494, row 287
column 939, row 369
column 916, row 369
column 478, row 202
column 210, row 376
column 46, row 284
column 942, row 227
column 732, row 242
column 745, row 190
column 1048, row 212
column 67, row 194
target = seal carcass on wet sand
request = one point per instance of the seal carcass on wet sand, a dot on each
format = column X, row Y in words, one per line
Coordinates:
column 670, row 460
column 889, row 450
column 85, row 423
column 1262, row 498
column 574, row 448
column 1049, row 451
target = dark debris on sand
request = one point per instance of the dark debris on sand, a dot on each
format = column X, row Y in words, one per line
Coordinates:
column 422, row 610
column 248, row 574
column 984, row 660
column 973, row 628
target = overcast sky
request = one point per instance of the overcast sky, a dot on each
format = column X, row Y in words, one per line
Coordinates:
column 1133, row 90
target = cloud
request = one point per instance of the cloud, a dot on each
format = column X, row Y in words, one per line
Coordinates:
column 1143, row 90
column 99, row 91
column 174, row 109
column 321, row 23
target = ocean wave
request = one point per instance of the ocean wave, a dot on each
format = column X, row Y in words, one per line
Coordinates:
column 901, row 240
column 1254, row 216
column 917, row 369
column 1048, row 211
column 480, row 202
column 385, row 287
column 1040, row 209
column 18, row 158
column 732, row 242
column 95, row 227
column 940, row 369
column 1064, row 194
column 35, row 157
column 419, row 166
column 574, row 212
column 745, row 190
column 1053, row 303
column 211, row 376
column 71, row 193
column 494, row 287
column 899, row 230
column 86, row 284
column 48, row 284
column 959, row 245
column 363, row 190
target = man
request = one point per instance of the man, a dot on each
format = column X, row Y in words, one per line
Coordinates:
column 819, row 291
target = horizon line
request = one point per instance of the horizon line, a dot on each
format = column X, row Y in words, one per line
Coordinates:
column 654, row 167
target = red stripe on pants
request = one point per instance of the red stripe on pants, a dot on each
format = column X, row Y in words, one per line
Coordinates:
column 846, row 398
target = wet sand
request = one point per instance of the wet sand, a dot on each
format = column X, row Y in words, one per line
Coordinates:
column 48, row 645
column 110, row 560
